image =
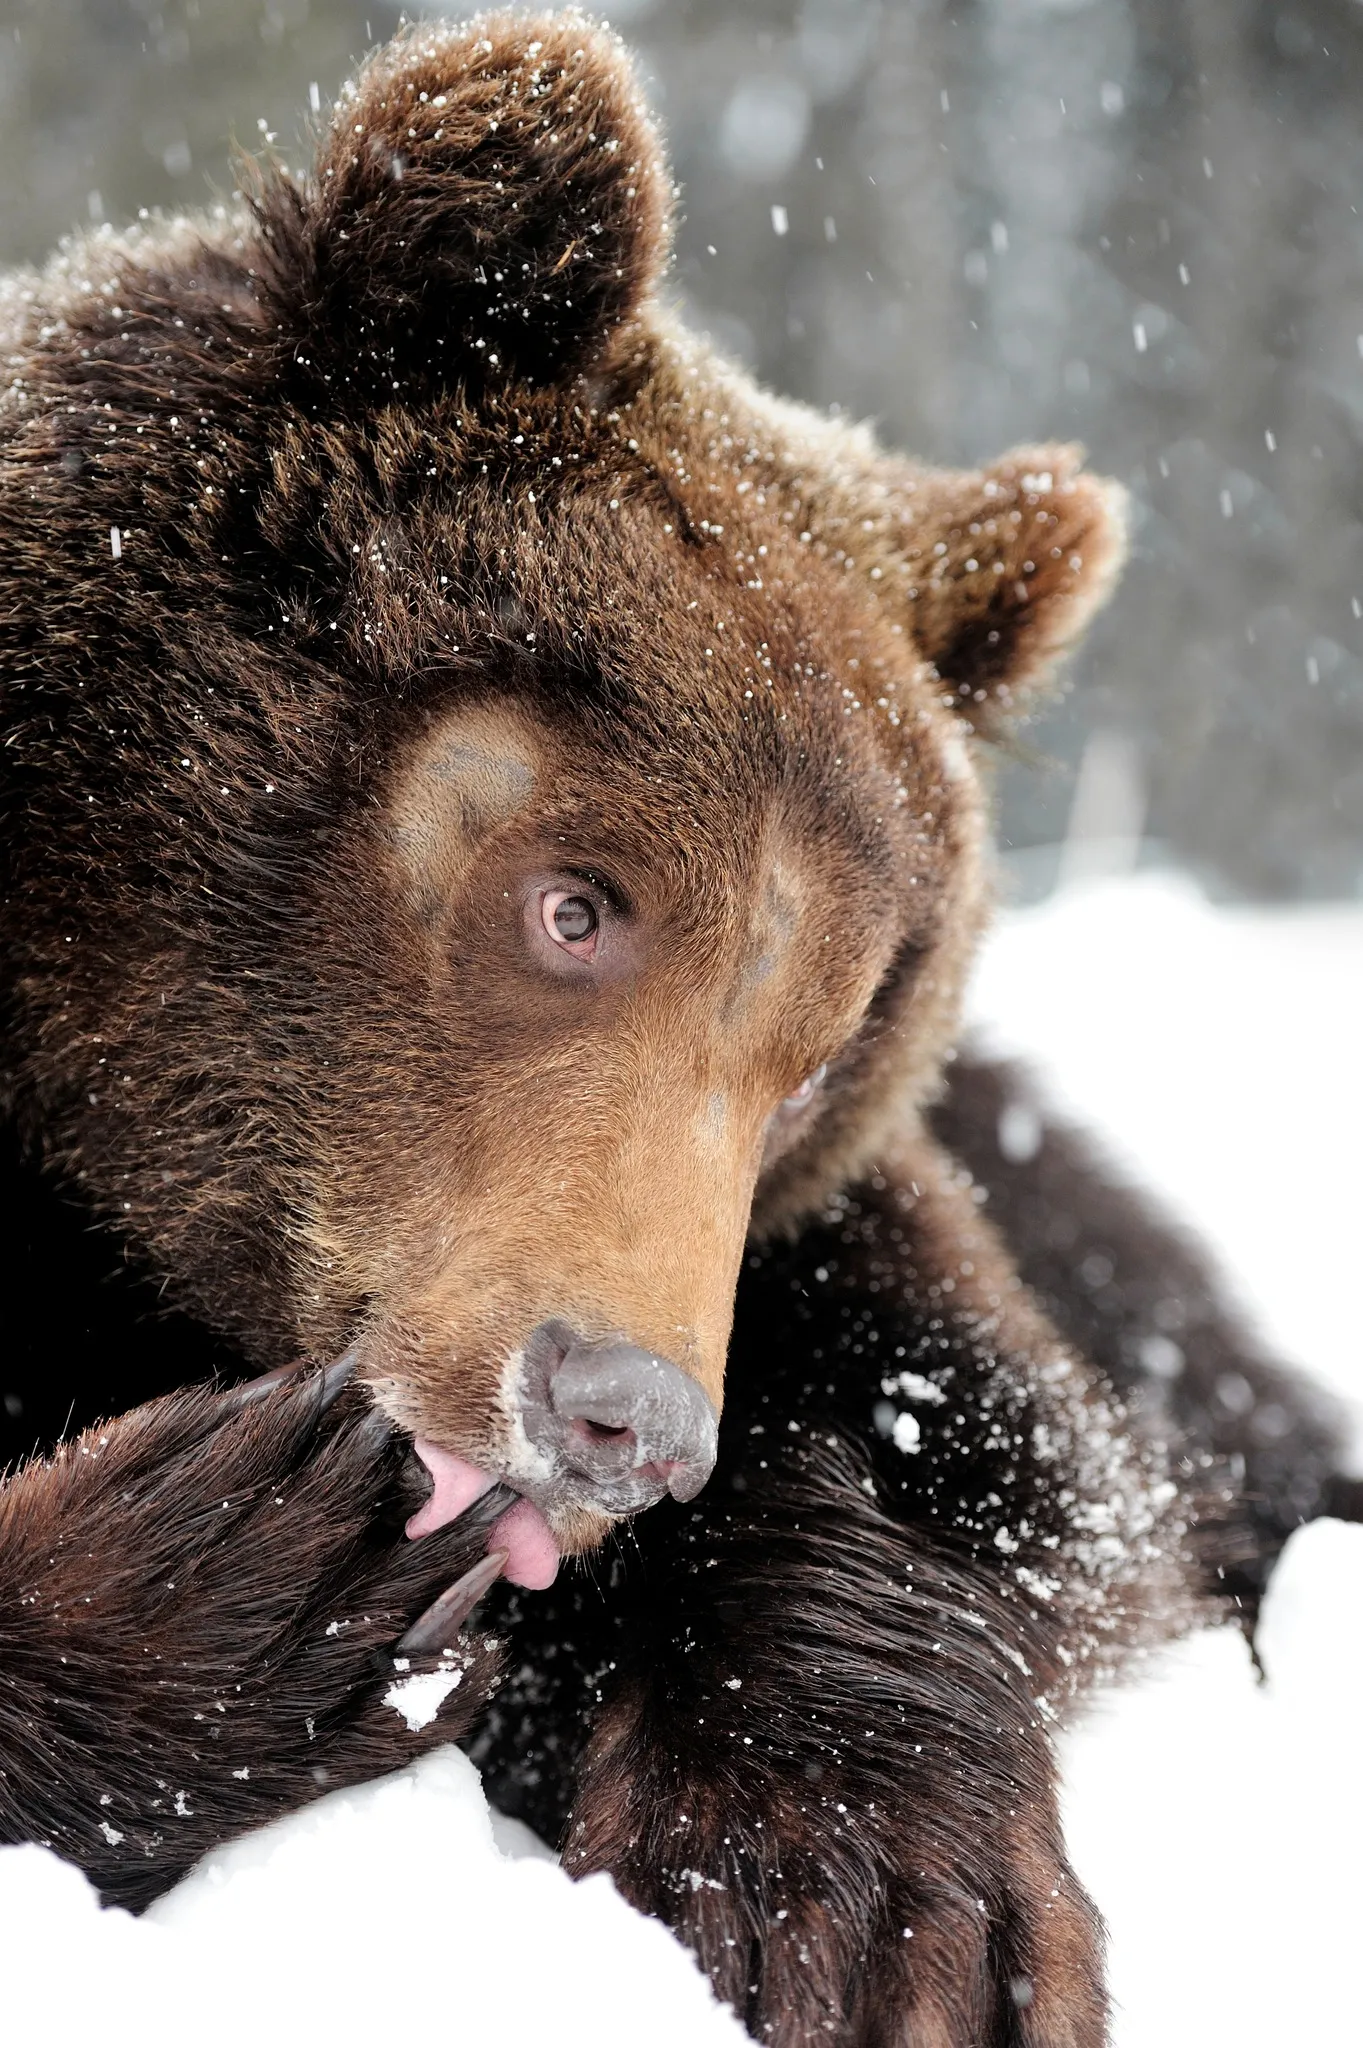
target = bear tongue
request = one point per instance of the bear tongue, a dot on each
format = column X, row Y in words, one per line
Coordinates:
column 455, row 1486
column 532, row 1553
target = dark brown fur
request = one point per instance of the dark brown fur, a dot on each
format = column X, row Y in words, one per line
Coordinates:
column 444, row 557
column 197, row 1614
column 233, row 1014
column 829, row 1694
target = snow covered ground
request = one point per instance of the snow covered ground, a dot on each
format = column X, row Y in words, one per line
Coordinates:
column 398, row 1913
column 1217, row 1821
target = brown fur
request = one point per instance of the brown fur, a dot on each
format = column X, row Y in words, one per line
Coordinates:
column 197, row 1614
column 372, row 553
column 832, row 1678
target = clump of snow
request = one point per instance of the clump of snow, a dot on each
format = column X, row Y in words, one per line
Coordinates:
column 419, row 1698
column 914, row 1387
column 907, row 1433
column 390, row 1913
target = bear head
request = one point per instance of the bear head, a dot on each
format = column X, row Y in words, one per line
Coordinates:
column 493, row 799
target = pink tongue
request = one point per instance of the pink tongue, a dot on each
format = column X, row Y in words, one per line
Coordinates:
column 522, row 1531
column 457, row 1485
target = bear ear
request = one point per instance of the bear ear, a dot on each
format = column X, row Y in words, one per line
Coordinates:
column 1003, row 569
column 490, row 205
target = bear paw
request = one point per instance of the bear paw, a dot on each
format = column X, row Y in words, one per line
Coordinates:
column 821, row 1913
column 206, row 1620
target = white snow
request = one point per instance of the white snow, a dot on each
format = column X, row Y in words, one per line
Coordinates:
column 395, row 1913
column 1216, row 1820
column 914, row 1387
column 1217, row 1052
column 419, row 1698
column 907, row 1433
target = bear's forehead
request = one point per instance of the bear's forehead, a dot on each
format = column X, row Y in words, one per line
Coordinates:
column 559, row 751
column 637, row 572
column 662, row 534
column 697, row 735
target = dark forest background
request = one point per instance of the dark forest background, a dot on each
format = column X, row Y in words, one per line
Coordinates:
column 1131, row 222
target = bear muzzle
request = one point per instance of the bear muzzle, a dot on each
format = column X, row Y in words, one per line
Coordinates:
column 601, row 1426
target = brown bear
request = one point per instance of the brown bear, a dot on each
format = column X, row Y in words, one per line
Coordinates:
column 494, row 837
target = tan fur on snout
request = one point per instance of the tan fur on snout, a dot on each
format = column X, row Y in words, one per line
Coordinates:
column 617, row 1208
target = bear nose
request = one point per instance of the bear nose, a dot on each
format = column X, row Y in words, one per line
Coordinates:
column 632, row 1425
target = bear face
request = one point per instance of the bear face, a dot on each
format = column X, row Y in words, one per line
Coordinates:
column 495, row 805
column 586, row 1118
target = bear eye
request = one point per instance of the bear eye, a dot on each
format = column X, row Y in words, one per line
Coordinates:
column 806, row 1091
column 572, row 922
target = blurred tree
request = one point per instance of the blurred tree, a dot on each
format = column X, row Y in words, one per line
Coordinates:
column 1130, row 222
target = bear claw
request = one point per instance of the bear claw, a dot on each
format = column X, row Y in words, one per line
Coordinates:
column 337, row 1376
column 438, row 1627
column 250, row 1391
column 333, row 1379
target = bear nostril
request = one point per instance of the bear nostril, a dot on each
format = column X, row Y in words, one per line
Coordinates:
column 601, row 1432
column 629, row 1424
